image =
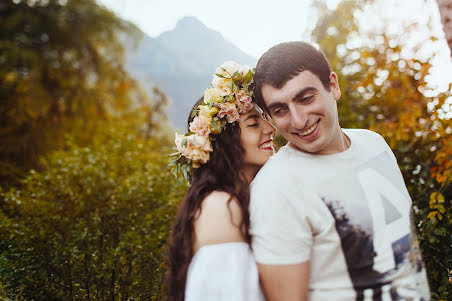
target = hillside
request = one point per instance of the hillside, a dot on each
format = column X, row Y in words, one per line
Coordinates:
column 181, row 62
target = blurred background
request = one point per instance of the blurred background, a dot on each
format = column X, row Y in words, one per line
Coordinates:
column 91, row 93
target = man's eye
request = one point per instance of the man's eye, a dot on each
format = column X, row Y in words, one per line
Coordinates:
column 308, row 98
column 278, row 112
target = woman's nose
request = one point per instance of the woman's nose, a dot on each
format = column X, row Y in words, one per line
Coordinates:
column 268, row 127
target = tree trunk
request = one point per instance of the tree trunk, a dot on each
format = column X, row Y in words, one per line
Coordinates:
column 445, row 10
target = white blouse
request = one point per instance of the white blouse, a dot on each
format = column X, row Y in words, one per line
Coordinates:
column 225, row 271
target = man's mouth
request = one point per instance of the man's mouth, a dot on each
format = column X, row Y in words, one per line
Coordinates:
column 310, row 130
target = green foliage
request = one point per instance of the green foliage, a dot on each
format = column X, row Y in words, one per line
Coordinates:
column 61, row 70
column 384, row 90
column 93, row 223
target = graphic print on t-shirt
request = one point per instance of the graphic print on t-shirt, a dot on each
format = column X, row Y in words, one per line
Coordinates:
column 374, row 226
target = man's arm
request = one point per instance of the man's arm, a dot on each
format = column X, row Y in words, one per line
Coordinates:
column 285, row 282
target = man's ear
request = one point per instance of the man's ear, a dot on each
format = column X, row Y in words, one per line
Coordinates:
column 334, row 86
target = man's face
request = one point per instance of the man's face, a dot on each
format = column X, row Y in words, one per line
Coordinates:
column 305, row 113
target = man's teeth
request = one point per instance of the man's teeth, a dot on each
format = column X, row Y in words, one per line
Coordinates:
column 266, row 145
column 310, row 130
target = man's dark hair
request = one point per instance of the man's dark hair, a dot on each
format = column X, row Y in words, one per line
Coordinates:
column 285, row 61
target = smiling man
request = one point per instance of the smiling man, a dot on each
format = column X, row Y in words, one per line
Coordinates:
column 330, row 212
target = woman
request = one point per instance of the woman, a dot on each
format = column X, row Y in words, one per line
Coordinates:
column 228, row 142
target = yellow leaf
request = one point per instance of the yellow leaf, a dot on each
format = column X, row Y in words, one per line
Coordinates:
column 440, row 198
column 432, row 214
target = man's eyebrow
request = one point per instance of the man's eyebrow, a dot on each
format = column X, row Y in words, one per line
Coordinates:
column 304, row 91
column 298, row 95
column 275, row 104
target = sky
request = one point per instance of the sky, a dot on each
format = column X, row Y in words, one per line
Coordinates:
column 252, row 25
column 256, row 25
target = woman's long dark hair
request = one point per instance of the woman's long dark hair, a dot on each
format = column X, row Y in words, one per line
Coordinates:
column 222, row 172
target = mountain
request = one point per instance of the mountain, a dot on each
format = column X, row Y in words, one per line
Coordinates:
column 181, row 62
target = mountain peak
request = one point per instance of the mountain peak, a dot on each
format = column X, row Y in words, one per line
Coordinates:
column 189, row 22
column 179, row 62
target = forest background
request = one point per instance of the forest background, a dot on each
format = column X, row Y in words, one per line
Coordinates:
column 86, row 197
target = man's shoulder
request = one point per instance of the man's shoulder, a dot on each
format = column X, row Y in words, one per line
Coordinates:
column 367, row 136
column 277, row 166
column 362, row 132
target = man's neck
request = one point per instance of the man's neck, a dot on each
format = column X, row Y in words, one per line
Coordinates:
column 341, row 144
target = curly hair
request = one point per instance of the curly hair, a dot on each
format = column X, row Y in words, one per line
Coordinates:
column 222, row 172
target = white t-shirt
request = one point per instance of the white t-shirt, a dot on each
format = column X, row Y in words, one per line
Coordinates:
column 348, row 214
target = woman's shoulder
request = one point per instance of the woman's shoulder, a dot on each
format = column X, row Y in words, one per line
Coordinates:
column 218, row 220
column 221, row 203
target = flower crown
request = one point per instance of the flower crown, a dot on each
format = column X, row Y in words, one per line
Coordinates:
column 229, row 96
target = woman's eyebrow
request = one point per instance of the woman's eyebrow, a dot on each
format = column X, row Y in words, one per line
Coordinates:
column 255, row 116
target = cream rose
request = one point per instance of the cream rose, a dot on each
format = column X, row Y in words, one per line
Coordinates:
column 201, row 142
column 212, row 95
column 244, row 70
column 196, row 148
column 205, row 113
column 223, row 82
column 227, row 68
column 199, row 157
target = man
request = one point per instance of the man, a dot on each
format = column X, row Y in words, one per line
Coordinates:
column 330, row 212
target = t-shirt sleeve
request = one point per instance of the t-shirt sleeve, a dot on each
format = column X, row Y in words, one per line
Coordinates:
column 385, row 145
column 281, row 234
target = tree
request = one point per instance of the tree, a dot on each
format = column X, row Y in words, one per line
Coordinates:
column 61, row 71
column 445, row 10
column 385, row 90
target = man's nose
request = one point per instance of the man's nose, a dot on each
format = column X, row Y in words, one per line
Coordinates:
column 298, row 118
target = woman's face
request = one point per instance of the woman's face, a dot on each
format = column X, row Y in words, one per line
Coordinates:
column 256, row 138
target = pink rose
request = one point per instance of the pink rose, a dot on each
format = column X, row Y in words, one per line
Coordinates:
column 200, row 126
column 230, row 110
column 243, row 101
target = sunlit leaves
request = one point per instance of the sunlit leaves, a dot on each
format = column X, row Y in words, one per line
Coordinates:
column 93, row 222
